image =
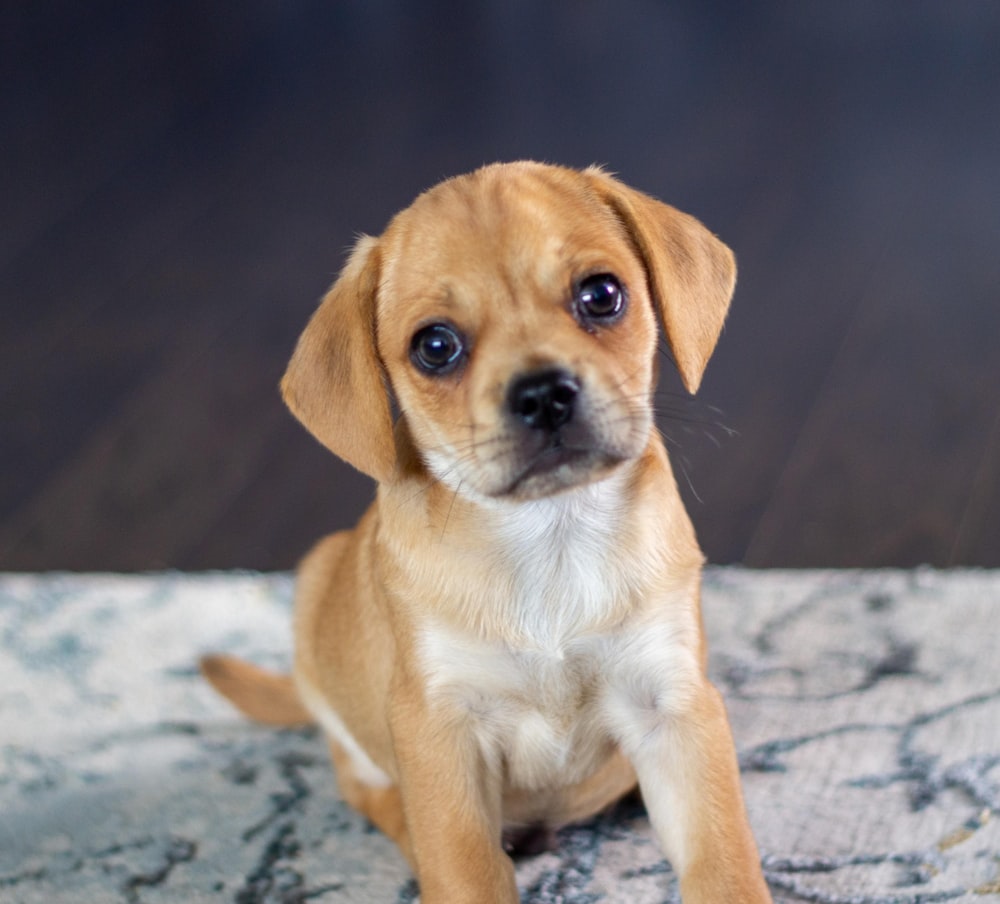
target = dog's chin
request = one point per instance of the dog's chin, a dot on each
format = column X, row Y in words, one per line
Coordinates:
column 556, row 470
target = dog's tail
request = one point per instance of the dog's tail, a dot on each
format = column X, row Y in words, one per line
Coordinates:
column 264, row 696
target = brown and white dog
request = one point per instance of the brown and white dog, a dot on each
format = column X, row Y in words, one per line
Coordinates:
column 511, row 636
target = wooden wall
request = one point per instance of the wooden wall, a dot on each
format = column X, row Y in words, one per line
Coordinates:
column 179, row 181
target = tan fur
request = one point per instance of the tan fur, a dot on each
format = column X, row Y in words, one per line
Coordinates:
column 263, row 696
column 512, row 635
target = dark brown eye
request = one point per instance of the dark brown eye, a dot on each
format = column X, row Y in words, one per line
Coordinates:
column 599, row 298
column 437, row 349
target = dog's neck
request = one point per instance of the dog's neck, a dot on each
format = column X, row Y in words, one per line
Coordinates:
column 586, row 517
column 563, row 557
column 538, row 574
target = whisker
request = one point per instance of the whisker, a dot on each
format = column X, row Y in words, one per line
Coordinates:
column 447, row 517
column 687, row 479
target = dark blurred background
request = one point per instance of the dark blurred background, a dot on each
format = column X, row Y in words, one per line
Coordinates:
column 179, row 181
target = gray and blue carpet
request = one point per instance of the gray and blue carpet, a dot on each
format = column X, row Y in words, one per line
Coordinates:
column 866, row 709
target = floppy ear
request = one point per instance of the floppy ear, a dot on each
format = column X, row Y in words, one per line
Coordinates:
column 334, row 383
column 691, row 273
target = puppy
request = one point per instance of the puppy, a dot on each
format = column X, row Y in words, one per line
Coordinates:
column 511, row 636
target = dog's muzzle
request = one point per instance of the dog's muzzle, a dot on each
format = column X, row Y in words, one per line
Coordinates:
column 559, row 431
column 557, row 446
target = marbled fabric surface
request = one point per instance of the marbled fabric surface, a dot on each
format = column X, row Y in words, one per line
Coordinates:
column 866, row 708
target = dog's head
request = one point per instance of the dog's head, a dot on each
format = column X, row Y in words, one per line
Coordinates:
column 511, row 313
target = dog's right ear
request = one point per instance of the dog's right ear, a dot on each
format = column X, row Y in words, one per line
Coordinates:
column 334, row 383
column 691, row 272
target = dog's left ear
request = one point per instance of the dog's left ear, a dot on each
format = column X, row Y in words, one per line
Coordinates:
column 334, row 383
column 691, row 273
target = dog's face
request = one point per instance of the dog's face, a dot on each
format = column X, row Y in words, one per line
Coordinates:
column 512, row 313
column 516, row 329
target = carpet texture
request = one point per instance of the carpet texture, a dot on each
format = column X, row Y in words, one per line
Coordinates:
column 866, row 709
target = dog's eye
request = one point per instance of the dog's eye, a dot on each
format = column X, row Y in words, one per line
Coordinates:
column 600, row 297
column 436, row 349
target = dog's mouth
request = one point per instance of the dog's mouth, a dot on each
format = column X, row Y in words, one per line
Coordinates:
column 558, row 465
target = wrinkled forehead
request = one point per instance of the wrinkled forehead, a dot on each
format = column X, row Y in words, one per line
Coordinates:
column 512, row 230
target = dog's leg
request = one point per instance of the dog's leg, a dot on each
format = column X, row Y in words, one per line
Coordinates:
column 383, row 806
column 452, row 802
column 690, row 782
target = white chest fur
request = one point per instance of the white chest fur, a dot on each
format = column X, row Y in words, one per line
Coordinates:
column 565, row 563
column 528, row 709
column 546, row 719
column 575, row 668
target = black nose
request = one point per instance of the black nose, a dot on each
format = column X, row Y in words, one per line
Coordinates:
column 544, row 400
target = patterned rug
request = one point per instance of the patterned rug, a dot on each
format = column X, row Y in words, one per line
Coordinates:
column 866, row 708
